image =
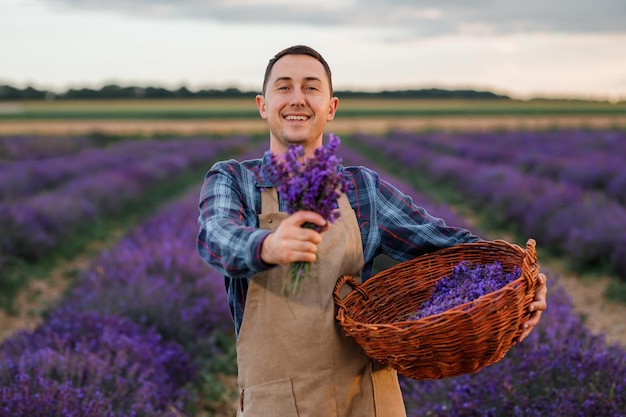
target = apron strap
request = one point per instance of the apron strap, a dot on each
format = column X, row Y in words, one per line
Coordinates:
column 269, row 200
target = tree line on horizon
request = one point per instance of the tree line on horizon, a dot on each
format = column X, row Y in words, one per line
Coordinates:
column 114, row 91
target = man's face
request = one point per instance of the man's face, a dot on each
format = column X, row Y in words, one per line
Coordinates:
column 297, row 103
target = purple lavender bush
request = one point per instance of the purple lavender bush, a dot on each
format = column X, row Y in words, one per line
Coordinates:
column 40, row 147
column 561, row 369
column 154, row 277
column 616, row 188
column 589, row 159
column 26, row 177
column 465, row 284
column 39, row 397
column 91, row 365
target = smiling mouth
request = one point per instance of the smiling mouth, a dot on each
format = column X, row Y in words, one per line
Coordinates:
column 298, row 118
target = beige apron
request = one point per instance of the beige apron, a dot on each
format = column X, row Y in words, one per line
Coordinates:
column 293, row 358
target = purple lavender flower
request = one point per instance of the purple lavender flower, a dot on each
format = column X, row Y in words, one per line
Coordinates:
column 313, row 184
column 88, row 362
column 465, row 284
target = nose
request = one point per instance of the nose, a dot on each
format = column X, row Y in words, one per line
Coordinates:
column 297, row 97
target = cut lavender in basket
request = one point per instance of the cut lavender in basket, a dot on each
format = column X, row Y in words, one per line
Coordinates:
column 466, row 283
column 312, row 184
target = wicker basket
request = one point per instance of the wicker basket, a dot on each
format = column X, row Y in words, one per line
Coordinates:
column 461, row 340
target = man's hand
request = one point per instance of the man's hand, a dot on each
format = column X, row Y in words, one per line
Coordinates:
column 537, row 307
column 293, row 243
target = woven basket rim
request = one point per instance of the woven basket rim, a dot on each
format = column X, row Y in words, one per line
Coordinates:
column 457, row 248
column 530, row 244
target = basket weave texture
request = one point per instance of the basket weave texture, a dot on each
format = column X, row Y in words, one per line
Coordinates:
column 461, row 340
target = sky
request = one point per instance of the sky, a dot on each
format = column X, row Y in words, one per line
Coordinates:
column 524, row 49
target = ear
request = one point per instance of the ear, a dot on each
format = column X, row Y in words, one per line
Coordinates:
column 260, row 103
column 332, row 108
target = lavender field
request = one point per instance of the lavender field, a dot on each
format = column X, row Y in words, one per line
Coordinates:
column 564, row 188
column 145, row 330
column 48, row 193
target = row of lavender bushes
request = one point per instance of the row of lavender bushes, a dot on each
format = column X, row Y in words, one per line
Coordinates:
column 584, row 225
column 139, row 330
column 19, row 147
column 89, row 186
column 25, row 177
column 591, row 159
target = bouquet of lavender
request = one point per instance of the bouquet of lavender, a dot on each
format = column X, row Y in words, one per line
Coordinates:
column 312, row 184
column 466, row 283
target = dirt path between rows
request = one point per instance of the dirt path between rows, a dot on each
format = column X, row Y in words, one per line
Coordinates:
column 601, row 315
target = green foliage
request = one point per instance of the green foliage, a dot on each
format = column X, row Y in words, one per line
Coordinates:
column 215, row 387
column 616, row 291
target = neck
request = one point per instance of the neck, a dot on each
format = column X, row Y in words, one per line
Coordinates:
column 280, row 148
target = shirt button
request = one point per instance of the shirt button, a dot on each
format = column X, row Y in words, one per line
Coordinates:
column 270, row 220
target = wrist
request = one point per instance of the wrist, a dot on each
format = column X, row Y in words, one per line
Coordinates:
column 266, row 252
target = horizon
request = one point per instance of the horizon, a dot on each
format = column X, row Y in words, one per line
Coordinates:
column 458, row 94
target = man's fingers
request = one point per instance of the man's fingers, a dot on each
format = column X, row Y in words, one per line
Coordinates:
column 536, row 308
column 305, row 246
column 293, row 243
column 299, row 218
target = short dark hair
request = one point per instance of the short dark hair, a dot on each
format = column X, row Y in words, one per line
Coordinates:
column 297, row 50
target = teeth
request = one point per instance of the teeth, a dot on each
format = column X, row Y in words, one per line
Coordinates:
column 299, row 118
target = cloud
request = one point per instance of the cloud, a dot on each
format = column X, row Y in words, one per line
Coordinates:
column 419, row 18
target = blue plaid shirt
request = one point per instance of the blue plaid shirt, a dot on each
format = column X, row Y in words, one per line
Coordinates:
column 230, row 240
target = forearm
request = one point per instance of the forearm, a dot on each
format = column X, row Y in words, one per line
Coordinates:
column 231, row 250
column 408, row 231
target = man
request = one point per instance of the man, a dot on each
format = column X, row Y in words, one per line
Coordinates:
column 293, row 358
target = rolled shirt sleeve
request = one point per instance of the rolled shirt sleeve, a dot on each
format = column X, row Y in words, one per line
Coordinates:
column 229, row 239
